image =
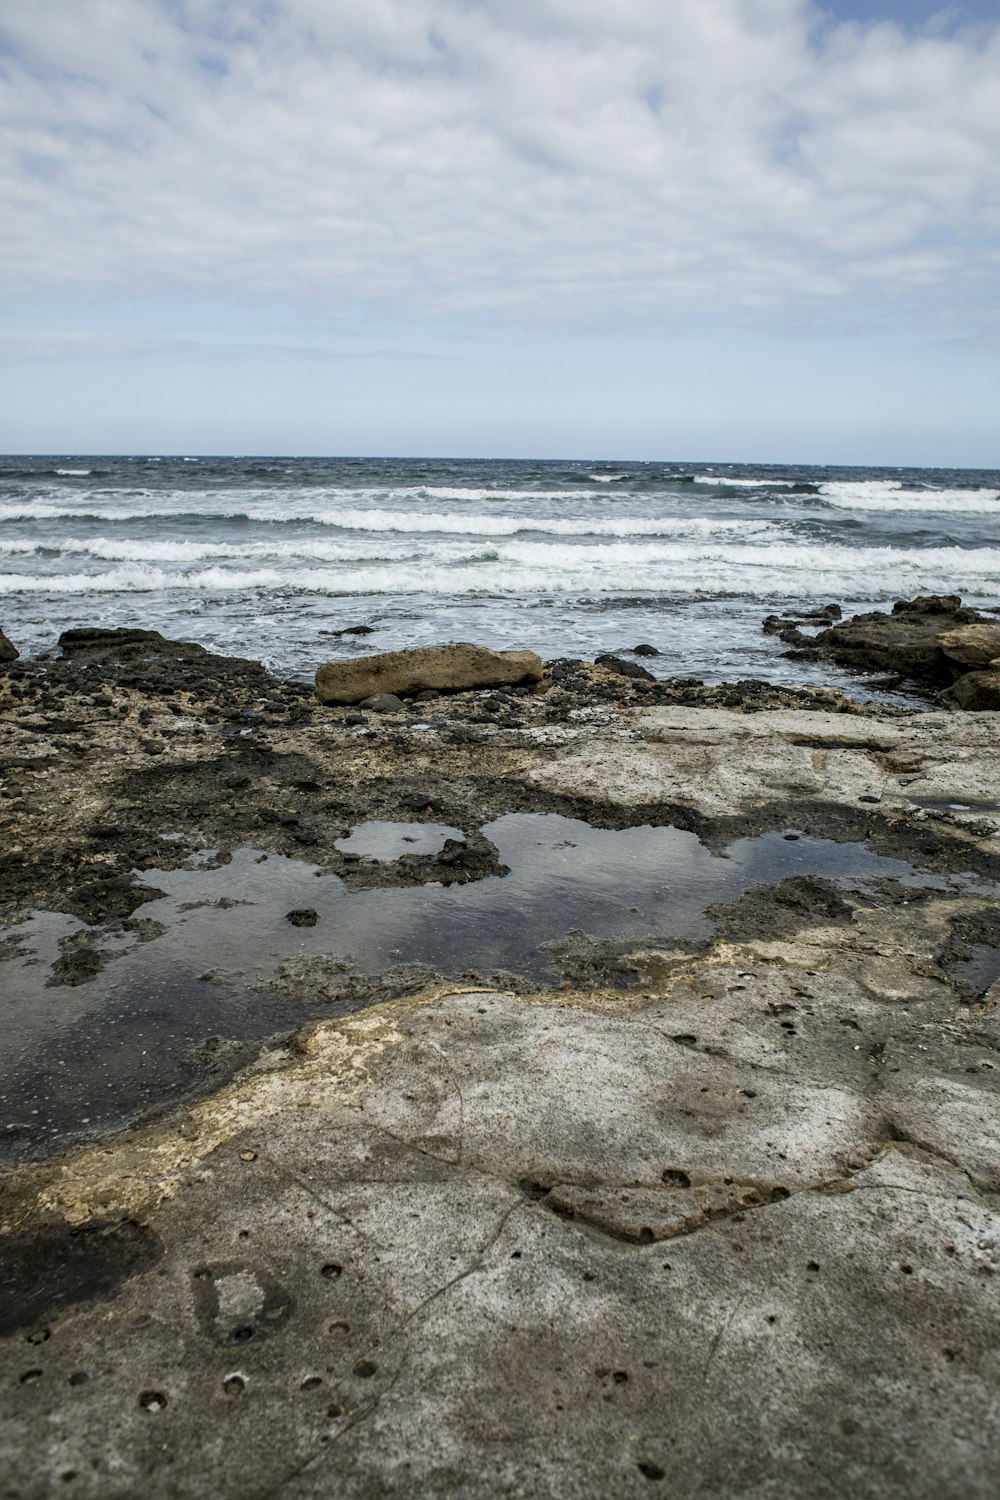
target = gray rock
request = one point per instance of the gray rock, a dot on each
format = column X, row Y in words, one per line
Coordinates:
column 383, row 703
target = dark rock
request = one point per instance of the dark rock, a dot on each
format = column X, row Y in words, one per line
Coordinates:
column 977, row 692
column 383, row 703
column 305, row 916
column 644, row 650
column 928, row 604
column 120, row 643
column 8, row 651
column 623, row 668
column 909, row 641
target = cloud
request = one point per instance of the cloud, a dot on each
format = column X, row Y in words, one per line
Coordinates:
column 553, row 161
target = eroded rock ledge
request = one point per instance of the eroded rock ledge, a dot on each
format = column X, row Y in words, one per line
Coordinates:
column 729, row 1228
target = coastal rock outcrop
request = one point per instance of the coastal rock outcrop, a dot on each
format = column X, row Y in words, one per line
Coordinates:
column 977, row 691
column 8, row 651
column 444, row 668
column 933, row 640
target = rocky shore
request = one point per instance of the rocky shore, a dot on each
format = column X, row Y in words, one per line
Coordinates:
column 713, row 1212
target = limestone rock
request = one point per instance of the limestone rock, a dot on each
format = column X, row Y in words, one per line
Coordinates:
column 909, row 641
column 973, row 647
column 446, row 668
column 8, row 651
column 977, row 691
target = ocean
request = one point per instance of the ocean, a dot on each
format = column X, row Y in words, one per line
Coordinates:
column 275, row 558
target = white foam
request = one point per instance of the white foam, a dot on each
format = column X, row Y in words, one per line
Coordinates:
column 524, row 567
column 752, row 484
column 891, row 495
column 74, row 471
column 382, row 521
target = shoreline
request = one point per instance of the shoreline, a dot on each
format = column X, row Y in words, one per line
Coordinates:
column 793, row 1114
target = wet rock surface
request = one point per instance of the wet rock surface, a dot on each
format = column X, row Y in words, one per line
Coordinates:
column 695, row 1220
column 930, row 640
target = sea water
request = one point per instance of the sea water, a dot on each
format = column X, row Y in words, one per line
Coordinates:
column 274, row 558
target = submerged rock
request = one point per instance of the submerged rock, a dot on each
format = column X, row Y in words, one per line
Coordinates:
column 446, row 668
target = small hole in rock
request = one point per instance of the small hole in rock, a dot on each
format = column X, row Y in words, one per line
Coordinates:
column 79, row 1377
column 241, row 1335
column 334, row 1411
column 39, row 1336
column 365, row 1369
column 674, row 1177
column 331, row 1270
column 652, row 1471
column 234, row 1385
column 30, row 1376
column 311, row 1382
column 153, row 1401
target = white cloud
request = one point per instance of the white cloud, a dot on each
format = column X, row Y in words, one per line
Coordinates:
column 557, row 160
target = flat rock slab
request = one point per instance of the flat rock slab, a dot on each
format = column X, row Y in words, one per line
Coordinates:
column 718, row 763
column 443, row 668
column 476, row 1244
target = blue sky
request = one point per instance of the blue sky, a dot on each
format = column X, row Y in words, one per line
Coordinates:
column 733, row 229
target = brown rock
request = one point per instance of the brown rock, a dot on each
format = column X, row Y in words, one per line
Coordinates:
column 972, row 646
column 8, row 651
column 446, row 668
column 909, row 641
column 977, row 691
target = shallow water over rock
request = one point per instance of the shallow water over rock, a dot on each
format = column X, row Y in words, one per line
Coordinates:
column 104, row 1023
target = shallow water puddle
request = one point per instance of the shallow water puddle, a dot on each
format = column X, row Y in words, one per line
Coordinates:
column 188, row 995
column 388, row 841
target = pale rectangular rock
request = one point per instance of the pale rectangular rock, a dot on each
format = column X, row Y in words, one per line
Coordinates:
column 444, row 668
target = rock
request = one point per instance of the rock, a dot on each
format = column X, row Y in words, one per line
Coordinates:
column 973, row 647
column 8, row 651
column 446, row 668
column 908, row 641
column 383, row 703
column 644, row 650
column 623, row 668
column 119, row 642
column 928, row 604
column 305, row 916
column 977, row 691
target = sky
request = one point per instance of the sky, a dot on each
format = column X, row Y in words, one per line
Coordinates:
column 746, row 230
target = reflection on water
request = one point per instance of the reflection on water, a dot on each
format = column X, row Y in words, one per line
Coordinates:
column 96, row 1053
